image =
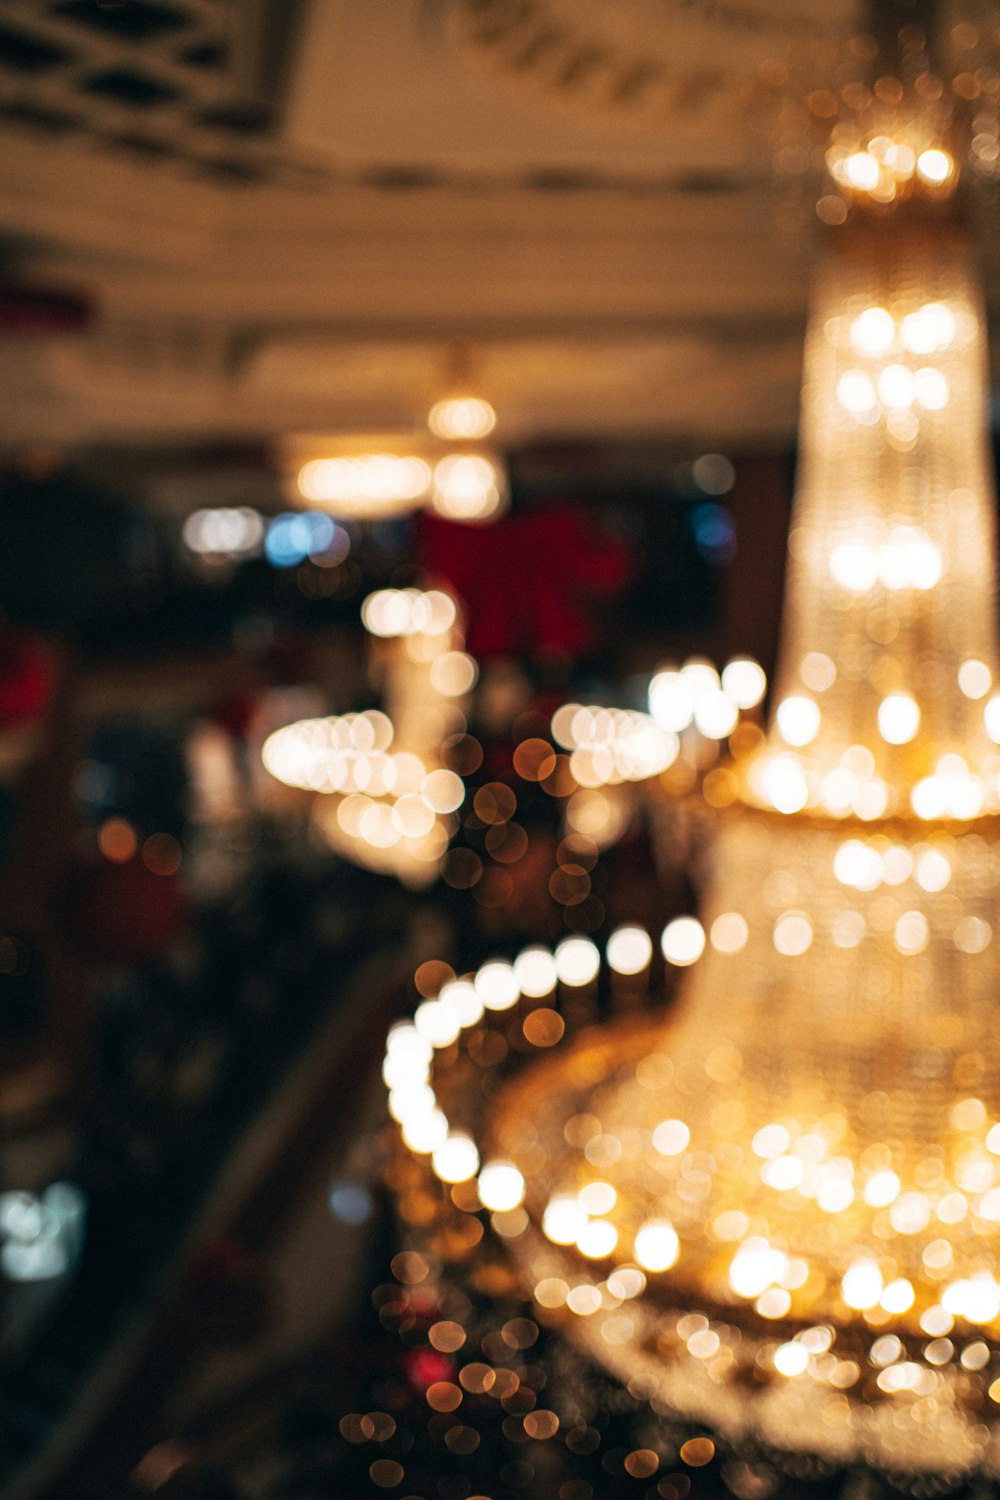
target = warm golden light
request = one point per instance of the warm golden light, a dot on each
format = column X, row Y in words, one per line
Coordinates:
column 368, row 485
column 383, row 796
column 802, row 1170
column 461, row 419
column 468, row 487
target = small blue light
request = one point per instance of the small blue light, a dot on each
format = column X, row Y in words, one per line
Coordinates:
column 323, row 534
column 714, row 533
column 351, row 1202
column 296, row 535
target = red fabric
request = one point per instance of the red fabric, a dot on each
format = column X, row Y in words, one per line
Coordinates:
column 27, row 678
column 528, row 582
column 234, row 713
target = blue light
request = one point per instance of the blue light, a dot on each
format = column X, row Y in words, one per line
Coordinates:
column 714, row 533
column 351, row 1202
column 296, row 535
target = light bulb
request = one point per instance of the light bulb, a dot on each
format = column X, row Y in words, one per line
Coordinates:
column 898, row 718
column 935, row 166
column 461, row 419
column 873, row 331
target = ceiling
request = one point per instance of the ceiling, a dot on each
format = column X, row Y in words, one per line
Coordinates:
column 283, row 213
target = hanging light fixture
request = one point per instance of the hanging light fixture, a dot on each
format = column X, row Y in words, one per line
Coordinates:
column 779, row 1212
column 376, row 476
column 369, row 479
column 699, row 724
column 383, row 797
column 470, row 482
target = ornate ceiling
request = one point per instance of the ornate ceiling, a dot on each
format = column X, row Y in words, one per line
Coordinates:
column 284, row 212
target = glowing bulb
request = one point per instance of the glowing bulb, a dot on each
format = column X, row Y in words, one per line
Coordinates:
column 369, row 484
column 436, row 1023
column 862, row 1285
column 701, row 678
column 931, row 389
column 895, row 386
column 854, row 566
column 991, row 719
column 671, row 701
column 855, row 392
column 858, row 865
column 671, row 1137
column 791, row 1359
column 460, row 997
column 683, row 941
column 755, row 1267
column 405, row 1046
column 861, row 171
column 817, row 671
column 798, row 720
column 783, row 1173
column 597, row 1198
column 744, row 681
column 656, row 1245
column 873, row 331
column 909, row 560
column 577, row 961
column 501, row 1186
column 716, row 714
column 597, row 1239
column 881, row 1189
column 461, row 419
column 935, row 166
column 443, row 791
column 729, row 932
column 780, row 782
column 456, row 1159
column 563, row 1219
column 835, row 1195
column 898, row 718
column 629, row 950
column 910, row 1213
column 424, row 1133
column 898, row 1296
column 771, row 1141
column 793, row 934
column 496, row 985
column 536, row 973
column 974, row 678
column 467, row 487
column 453, row 673
column 912, row 932
column 931, row 328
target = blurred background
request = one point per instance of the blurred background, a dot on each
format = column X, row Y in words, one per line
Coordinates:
column 239, row 238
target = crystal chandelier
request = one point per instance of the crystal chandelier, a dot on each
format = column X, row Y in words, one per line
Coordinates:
column 778, row 1212
column 383, row 797
column 446, row 470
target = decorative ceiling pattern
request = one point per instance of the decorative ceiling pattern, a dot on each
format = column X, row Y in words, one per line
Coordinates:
column 194, row 83
column 281, row 211
column 650, row 63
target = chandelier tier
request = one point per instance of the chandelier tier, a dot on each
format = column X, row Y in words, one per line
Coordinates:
column 383, row 796
column 806, row 1165
column 779, row 1212
column 884, row 704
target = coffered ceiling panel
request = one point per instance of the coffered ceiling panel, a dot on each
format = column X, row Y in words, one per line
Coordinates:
column 282, row 211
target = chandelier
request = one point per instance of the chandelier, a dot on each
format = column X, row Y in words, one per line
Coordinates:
column 777, row 1210
column 448, row 469
column 383, row 796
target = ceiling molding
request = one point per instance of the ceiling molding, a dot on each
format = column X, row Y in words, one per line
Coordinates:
column 647, row 64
